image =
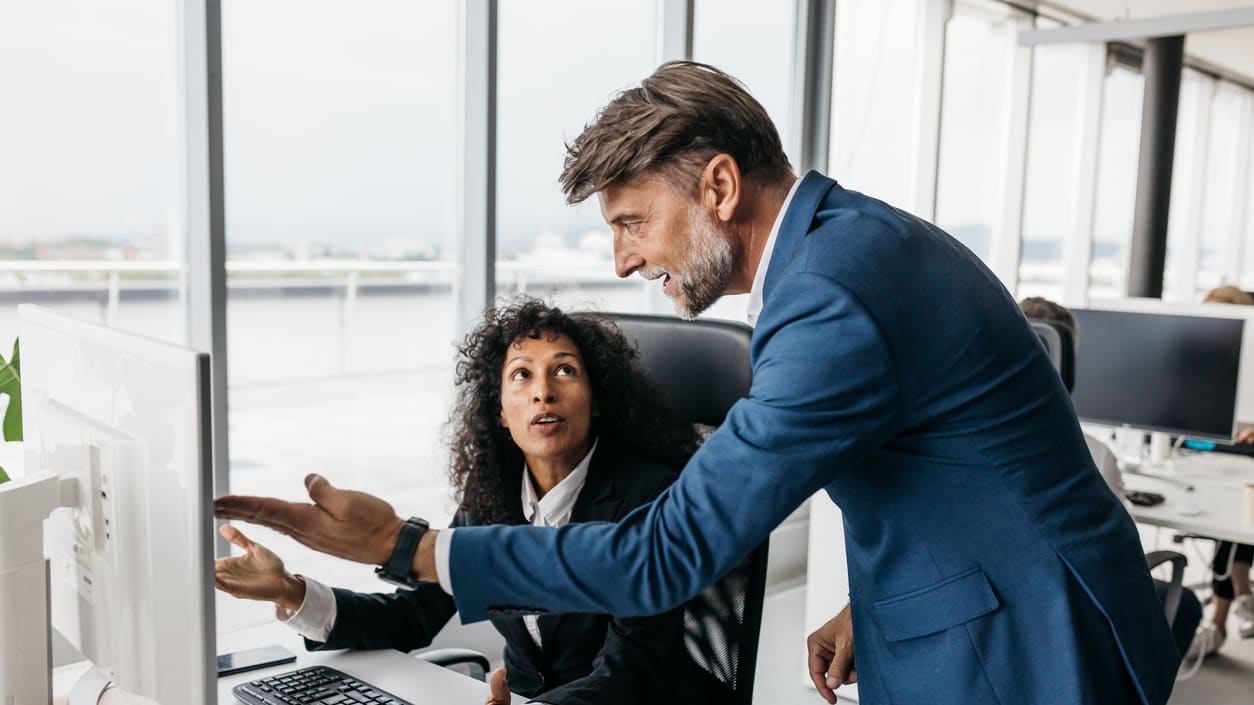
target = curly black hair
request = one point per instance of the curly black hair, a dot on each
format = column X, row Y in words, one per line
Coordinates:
column 634, row 420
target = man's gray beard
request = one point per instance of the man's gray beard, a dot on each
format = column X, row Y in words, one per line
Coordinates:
column 707, row 267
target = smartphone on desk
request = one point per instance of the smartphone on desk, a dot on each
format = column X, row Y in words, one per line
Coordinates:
column 253, row 659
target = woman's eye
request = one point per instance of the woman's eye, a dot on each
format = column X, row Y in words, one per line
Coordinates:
column 519, row 375
column 565, row 370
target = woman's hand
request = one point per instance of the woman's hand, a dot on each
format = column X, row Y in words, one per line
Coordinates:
column 258, row 574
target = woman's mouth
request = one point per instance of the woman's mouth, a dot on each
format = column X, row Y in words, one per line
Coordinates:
column 547, row 423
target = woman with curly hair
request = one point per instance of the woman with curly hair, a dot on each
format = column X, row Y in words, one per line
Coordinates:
column 554, row 423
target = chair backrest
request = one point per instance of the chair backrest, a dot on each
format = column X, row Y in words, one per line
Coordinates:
column 703, row 368
column 1061, row 348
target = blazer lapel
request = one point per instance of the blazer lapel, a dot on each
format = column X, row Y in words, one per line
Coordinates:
column 597, row 501
column 518, row 634
column 796, row 224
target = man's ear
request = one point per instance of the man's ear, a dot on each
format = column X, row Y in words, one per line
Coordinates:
column 720, row 186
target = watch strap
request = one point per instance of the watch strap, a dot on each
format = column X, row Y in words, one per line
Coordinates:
column 399, row 568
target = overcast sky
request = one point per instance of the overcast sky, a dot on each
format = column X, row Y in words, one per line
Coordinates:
column 341, row 118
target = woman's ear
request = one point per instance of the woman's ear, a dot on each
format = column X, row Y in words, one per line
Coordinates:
column 501, row 415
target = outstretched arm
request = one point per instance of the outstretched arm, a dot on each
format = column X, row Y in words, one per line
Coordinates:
column 824, row 394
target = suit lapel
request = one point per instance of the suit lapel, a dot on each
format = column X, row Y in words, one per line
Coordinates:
column 795, row 225
column 597, row 501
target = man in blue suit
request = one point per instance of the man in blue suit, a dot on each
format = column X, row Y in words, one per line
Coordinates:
column 988, row 561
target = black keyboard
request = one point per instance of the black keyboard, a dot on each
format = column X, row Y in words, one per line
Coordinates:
column 316, row 685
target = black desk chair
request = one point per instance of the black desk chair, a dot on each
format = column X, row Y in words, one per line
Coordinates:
column 1061, row 349
column 702, row 367
column 1056, row 338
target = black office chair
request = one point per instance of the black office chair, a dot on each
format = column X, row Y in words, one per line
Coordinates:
column 1060, row 347
column 702, row 368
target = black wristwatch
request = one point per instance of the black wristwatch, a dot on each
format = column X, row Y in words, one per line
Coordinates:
column 399, row 568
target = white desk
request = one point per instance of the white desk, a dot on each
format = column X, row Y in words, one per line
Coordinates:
column 404, row 676
column 1218, row 481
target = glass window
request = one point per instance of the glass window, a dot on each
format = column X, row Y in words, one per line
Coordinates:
column 559, row 62
column 1219, row 200
column 341, row 122
column 755, row 42
column 1247, row 257
column 1117, row 159
column 90, row 223
column 874, row 89
column 1054, row 132
column 1188, row 175
column 975, row 107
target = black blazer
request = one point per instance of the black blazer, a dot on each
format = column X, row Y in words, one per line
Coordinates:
column 587, row 658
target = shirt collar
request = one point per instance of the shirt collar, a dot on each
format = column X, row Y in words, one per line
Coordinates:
column 759, row 278
column 556, row 505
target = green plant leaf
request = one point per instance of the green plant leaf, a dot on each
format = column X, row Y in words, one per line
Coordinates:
column 11, row 384
column 13, row 419
column 4, row 477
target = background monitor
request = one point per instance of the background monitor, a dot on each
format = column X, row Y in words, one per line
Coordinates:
column 131, row 565
column 1159, row 371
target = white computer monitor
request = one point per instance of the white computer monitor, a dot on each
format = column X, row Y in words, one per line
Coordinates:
column 131, row 565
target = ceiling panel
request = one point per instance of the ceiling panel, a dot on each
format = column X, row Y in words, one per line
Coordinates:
column 1230, row 49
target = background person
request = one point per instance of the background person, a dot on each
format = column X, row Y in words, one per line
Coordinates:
column 1230, row 568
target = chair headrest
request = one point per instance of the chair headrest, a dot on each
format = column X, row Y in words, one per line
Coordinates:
column 702, row 366
column 1059, row 346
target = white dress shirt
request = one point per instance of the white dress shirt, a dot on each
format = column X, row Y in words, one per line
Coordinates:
column 316, row 615
column 754, row 306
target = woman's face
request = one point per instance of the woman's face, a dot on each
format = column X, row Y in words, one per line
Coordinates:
column 546, row 399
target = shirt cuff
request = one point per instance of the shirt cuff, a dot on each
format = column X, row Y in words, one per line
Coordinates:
column 316, row 615
column 443, row 546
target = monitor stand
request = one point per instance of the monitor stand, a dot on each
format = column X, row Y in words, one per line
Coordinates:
column 1160, row 449
column 26, row 655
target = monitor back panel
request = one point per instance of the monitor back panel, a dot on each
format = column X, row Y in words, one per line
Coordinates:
column 1160, row 372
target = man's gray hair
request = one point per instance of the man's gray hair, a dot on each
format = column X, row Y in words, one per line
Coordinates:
column 669, row 127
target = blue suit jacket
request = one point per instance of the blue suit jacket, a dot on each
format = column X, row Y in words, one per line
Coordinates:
column 989, row 562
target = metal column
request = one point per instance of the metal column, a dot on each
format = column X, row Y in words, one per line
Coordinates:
column 1162, row 67
column 204, row 213
column 475, row 286
column 812, row 84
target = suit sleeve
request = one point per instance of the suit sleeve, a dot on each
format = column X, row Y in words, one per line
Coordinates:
column 404, row 620
column 824, row 394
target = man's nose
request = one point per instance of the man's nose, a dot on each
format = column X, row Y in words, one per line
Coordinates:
column 626, row 260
